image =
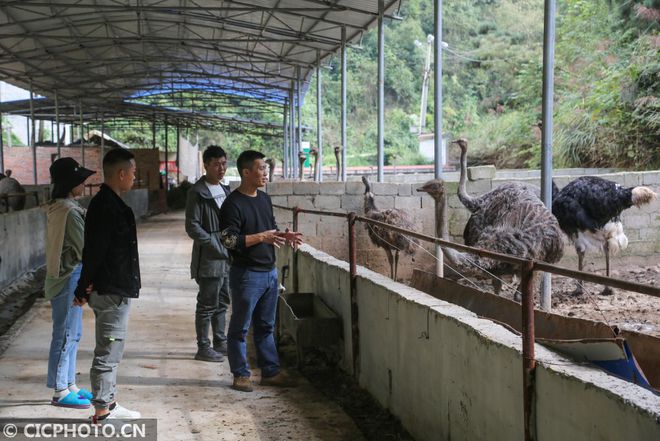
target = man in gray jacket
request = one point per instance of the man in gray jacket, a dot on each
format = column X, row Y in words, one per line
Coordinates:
column 210, row 260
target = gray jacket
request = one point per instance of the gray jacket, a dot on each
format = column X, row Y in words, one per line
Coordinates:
column 209, row 257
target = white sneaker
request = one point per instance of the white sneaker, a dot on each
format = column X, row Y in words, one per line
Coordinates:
column 122, row 413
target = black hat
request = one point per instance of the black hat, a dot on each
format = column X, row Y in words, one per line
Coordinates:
column 67, row 174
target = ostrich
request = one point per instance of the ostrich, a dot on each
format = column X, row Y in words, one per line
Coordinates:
column 588, row 210
column 338, row 160
column 391, row 241
column 480, row 219
column 271, row 168
column 302, row 157
column 513, row 222
column 10, row 194
column 314, row 152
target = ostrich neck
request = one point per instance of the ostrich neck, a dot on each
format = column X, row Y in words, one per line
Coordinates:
column 467, row 200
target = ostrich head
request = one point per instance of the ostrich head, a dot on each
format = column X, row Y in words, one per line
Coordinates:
column 462, row 143
column 367, row 184
column 314, row 152
column 435, row 188
column 640, row 196
column 271, row 168
column 337, row 151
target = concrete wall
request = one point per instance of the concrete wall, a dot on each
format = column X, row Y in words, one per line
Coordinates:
column 22, row 243
column 23, row 236
column 449, row 375
column 329, row 234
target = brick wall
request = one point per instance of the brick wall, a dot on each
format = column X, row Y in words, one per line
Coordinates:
column 330, row 234
column 19, row 160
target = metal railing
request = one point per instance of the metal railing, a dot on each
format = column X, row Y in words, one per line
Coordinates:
column 527, row 268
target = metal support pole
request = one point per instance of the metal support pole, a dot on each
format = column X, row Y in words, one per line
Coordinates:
column 178, row 177
column 167, row 162
column 296, row 271
column 102, row 145
column 319, row 119
column 529, row 363
column 82, row 143
column 343, row 104
column 2, row 144
column 546, row 147
column 438, row 156
column 292, row 135
column 285, row 131
column 381, row 91
column 355, row 323
column 153, row 133
column 57, row 123
column 298, row 111
column 32, row 141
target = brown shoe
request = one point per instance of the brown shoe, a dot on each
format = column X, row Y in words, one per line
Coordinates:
column 242, row 384
column 281, row 379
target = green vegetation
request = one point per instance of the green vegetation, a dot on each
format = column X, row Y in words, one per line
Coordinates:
column 607, row 108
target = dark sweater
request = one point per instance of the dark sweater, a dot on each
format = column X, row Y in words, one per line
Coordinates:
column 243, row 215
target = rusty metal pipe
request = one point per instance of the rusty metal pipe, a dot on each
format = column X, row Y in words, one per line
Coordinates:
column 355, row 328
column 538, row 266
column 529, row 363
column 296, row 270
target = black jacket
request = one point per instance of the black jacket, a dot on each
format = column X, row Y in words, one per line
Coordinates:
column 209, row 257
column 110, row 258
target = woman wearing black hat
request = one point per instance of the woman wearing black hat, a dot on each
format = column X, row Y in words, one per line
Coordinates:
column 64, row 245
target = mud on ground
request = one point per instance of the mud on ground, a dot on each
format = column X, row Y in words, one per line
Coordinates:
column 628, row 310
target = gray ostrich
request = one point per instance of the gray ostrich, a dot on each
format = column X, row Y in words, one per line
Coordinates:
column 12, row 194
column 302, row 157
column 390, row 241
column 338, row 161
column 513, row 222
column 271, row 168
column 314, row 152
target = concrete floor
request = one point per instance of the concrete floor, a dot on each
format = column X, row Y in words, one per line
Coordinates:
column 158, row 376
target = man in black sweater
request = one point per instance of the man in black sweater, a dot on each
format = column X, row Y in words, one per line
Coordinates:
column 250, row 234
column 110, row 278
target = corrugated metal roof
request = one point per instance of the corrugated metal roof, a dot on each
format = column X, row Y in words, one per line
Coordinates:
column 110, row 51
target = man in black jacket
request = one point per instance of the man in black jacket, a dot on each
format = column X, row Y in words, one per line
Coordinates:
column 110, row 278
column 209, row 265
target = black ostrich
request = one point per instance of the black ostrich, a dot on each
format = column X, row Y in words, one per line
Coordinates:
column 588, row 210
column 391, row 241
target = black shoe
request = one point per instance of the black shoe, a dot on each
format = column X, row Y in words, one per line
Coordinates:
column 221, row 348
column 208, row 354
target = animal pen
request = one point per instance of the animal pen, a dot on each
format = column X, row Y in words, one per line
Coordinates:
column 649, row 353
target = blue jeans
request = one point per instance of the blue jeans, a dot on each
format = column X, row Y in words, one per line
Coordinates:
column 67, row 330
column 253, row 299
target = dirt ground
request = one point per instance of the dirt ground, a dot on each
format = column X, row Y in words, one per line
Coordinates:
column 627, row 310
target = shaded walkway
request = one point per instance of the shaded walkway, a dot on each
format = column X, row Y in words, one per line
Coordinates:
column 158, row 376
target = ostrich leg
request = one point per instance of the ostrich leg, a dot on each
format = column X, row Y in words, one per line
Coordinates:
column 390, row 259
column 497, row 286
column 396, row 265
column 607, row 291
column 578, row 288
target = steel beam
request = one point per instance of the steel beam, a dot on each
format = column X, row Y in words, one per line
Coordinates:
column 344, row 149
column 319, row 119
column 381, row 91
column 547, row 125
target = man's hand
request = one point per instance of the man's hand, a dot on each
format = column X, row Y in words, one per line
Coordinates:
column 293, row 238
column 83, row 301
column 272, row 237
